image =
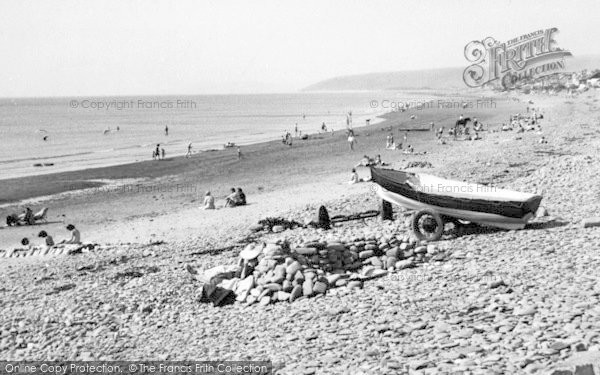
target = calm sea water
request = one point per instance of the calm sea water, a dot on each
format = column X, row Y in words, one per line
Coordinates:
column 82, row 132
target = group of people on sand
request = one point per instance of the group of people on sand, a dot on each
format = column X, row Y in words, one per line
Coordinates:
column 49, row 244
column 366, row 161
column 159, row 153
column 287, row 138
column 27, row 217
column 523, row 123
column 237, row 197
column 461, row 128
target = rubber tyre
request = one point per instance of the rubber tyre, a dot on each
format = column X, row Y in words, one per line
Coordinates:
column 430, row 235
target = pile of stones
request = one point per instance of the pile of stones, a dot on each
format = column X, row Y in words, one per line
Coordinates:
column 279, row 272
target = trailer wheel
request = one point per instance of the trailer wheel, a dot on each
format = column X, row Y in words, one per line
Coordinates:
column 427, row 225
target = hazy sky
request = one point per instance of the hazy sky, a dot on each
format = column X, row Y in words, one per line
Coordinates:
column 64, row 48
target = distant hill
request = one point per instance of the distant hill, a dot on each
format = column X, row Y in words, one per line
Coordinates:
column 446, row 78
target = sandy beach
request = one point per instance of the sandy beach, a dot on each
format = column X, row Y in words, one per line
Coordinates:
column 540, row 304
column 148, row 190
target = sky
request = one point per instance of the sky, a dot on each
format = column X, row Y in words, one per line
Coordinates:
column 155, row 47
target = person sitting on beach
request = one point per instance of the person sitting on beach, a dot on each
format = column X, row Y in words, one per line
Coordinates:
column 475, row 136
column 241, row 197
column 378, row 160
column 354, row 177
column 75, row 235
column 231, row 199
column 209, row 201
column 49, row 241
column 28, row 217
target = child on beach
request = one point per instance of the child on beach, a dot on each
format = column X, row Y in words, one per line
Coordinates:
column 354, row 177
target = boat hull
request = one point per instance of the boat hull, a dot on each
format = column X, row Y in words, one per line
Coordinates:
column 480, row 218
column 455, row 196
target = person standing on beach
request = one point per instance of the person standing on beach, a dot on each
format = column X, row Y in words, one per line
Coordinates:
column 239, row 153
column 163, row 153
column 406, row 137
column 351, row 140
column 189, row 152
column 166, row 129
column 296, row 129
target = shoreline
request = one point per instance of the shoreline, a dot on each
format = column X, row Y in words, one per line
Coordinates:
column 133, row 145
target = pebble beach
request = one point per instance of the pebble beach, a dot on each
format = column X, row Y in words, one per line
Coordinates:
column 485, row 302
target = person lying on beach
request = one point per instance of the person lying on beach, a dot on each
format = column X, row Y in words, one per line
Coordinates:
column 409, row 150
column 365, row 162
column 354, row 179
column 209, row 201
column 75, row 236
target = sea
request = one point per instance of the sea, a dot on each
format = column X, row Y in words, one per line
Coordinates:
column 46, row 135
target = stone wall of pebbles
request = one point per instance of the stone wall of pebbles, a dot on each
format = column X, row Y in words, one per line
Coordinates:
column 285, row 274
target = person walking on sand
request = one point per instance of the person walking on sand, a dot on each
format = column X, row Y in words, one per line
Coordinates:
column 157, row 151
column 239, row 153
column 189, row 152
column 166, row 129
